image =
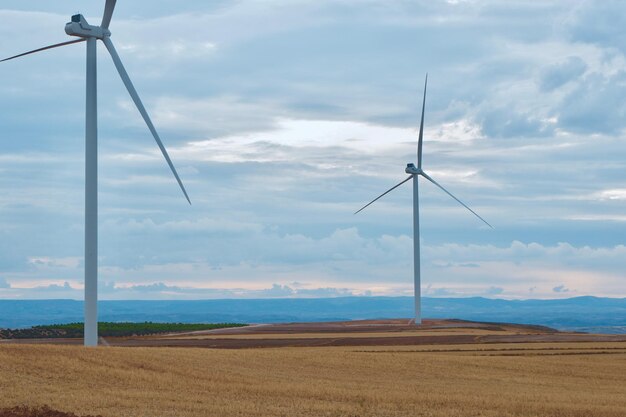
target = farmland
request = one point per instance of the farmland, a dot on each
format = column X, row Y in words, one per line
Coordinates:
column 569, row 378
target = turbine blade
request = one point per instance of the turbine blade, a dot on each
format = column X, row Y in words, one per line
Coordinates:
column 425, row 175
column 133, row 94
column 421, row 136
column 108, row 13
column 44, row 48
column 386, row 192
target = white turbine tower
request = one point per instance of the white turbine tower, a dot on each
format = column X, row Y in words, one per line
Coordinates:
column 91, row 34
column 414, row 173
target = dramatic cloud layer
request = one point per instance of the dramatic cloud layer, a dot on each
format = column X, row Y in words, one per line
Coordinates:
column 283, row 118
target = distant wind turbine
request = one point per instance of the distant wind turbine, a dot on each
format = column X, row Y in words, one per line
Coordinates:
column 90, row 34
column 415, row 172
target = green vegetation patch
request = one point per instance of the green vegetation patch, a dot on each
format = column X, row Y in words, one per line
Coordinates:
column 108, row 329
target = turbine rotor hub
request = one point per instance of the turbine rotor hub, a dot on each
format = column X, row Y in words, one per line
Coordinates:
column 79, row 27
column 412, row 169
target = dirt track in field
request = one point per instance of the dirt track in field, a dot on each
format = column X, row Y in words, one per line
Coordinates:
column 399, row 332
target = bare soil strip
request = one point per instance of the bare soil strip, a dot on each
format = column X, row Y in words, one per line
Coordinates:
column 397, row 332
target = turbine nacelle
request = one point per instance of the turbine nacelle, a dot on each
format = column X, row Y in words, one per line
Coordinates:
column 79, row 27
column 412, row 169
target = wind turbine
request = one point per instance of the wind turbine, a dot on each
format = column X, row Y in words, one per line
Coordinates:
column 91, row 34
column 414, row 173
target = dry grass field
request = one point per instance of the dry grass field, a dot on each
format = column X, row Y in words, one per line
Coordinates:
column 567, row 379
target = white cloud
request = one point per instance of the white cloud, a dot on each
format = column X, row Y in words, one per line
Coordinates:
column 615, row 194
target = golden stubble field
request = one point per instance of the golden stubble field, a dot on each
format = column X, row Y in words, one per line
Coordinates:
column 499, row 380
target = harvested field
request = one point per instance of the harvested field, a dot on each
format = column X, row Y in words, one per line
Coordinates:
column 573, row 378
column 334, row 381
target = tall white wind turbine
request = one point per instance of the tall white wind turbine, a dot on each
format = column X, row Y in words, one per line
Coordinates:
column 414, row 173
column 91, row 34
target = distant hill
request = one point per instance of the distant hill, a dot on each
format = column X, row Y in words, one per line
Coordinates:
column 594, row 314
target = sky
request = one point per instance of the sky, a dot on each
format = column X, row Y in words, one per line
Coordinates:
column 285, row 117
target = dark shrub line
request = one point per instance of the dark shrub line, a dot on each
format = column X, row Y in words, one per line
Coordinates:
column 109, row 329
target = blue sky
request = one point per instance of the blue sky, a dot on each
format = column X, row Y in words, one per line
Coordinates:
column 284, row 117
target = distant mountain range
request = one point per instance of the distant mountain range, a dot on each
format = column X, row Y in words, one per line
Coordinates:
column 591, row 314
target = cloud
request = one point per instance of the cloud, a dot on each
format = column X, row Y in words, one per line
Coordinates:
column 4, row 283
column 160, row 290
column 440, row 292
column 346, row 263
column 595, row 105
column 598, row 23
column 156, row 287
column 48, row 262
column 560, row 73
column 278, row 290
column 65, row 287
column 331, row 292
column 503, row 123
column 494, row 290
column 560, row 289
column 615, row 194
